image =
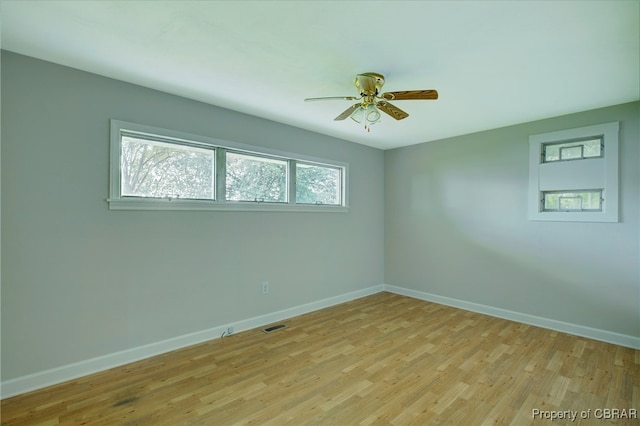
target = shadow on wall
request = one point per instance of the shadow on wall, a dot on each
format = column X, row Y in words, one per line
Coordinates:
column 463, row 232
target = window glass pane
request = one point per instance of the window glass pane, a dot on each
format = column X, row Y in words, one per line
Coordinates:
column 154, row 169
column 253, row 178
column 318, row 184
column 572, row 200
column 573, row 150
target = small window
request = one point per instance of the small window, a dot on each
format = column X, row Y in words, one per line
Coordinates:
column 572, row 201
column 573, row 174
column 257, row 179
column 155, row 169
column 318, row 184
column 577, row 150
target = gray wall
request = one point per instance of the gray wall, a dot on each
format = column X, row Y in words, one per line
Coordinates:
column 456, row 226
column 80, row 281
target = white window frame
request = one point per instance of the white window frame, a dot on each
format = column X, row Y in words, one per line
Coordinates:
column 117, row 202
column 590, row 173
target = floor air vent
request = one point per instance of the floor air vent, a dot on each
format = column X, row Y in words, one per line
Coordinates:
column 274, row 328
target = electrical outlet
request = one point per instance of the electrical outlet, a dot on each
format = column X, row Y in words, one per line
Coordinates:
column 265, row 287
column 229, row 330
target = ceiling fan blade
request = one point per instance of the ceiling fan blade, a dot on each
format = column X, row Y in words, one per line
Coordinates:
column 347, row 112
column 330, row 98
column 392, row 110
column 410, row 94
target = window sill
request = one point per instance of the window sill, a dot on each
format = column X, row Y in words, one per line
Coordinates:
column 573, row 216
column 165, row 204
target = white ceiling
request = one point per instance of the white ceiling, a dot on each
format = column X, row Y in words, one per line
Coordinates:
column 494, row 63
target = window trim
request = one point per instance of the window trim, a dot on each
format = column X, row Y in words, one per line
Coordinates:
column 575, row 174
column 117, row 202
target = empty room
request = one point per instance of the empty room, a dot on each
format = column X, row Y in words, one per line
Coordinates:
column 320, row 212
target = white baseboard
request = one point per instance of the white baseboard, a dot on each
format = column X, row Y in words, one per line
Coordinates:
column 64, row 373
column 565, row 327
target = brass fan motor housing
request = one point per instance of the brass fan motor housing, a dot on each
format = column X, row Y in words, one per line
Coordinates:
column 369, row 85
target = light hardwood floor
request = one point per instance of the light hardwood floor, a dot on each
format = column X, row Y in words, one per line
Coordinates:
column 383, row 359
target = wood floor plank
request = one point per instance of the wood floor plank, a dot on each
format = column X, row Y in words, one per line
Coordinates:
column 383, row 359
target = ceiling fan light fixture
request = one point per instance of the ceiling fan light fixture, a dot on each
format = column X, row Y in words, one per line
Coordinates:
column 372, row 114
column 367, row 115
column 357, row 115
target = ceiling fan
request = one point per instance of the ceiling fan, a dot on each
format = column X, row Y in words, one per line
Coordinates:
column 371, row 101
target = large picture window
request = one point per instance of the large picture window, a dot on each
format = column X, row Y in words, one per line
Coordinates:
column 159, row 169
